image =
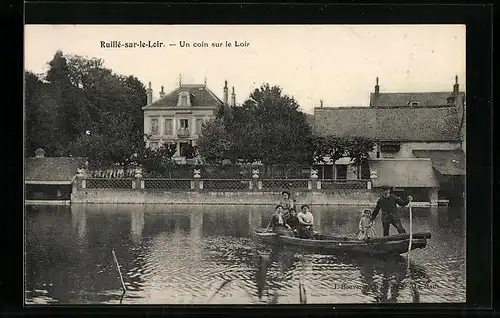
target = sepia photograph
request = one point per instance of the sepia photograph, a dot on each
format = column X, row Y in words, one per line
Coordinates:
column 244, row 164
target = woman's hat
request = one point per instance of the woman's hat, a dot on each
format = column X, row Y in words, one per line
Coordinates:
column 285, row 192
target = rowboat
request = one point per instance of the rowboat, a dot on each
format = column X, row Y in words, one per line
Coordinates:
column 329, row 244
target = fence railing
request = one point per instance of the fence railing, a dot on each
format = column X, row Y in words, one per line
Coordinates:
column 168, row 184
column 195, row 184
column 105, row 183
column 285, row 184
column 344, row 184
column 226, row 184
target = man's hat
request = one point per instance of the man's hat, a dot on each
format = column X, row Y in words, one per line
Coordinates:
column 285, row 192
column 385, row 187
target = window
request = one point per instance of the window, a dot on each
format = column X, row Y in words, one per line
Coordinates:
column 413, row 103
column 199, row 123
column 184, row 123
column 168, row 127
column 184, row 100
column 154, row 125
column 390, row 147
column 341, row 171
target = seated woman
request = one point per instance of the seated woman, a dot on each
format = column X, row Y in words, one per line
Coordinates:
column 291, row 219
column 305, row 223
column 278, row 223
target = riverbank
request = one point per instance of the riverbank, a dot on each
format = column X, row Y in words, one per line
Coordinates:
column 339, row 197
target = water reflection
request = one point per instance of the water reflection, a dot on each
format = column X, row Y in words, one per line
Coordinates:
column 184, row 254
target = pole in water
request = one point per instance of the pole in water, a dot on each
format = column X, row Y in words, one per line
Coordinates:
column 121, row 277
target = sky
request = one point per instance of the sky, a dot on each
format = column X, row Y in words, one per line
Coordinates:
column 334, row 63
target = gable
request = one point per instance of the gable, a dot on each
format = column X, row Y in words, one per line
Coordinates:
column 200, row 96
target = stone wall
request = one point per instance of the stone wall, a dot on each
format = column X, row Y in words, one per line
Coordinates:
column 113, row 196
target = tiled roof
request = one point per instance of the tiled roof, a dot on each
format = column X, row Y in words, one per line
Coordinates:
column 403, row 173
column 402, row 99
column 386, row 124
column 200, row 95
column 447, row 162
column 52, row 168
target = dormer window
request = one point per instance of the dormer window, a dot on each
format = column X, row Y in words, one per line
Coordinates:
column 184, row 100
column 413, row 103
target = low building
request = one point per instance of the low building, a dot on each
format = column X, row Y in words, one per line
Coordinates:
column 177, row 117
column 49, row 180
column 413, row 138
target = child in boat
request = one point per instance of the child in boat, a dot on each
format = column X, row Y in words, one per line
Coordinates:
column 366, row 230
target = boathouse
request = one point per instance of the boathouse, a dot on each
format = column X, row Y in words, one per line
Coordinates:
column 420, row 140
column 49, row 180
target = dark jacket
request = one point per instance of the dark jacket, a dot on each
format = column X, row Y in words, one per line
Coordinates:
column 388, row 207
column 292, row 221
column 275, row 221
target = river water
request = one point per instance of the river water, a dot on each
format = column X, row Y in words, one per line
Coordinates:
column 184, row 254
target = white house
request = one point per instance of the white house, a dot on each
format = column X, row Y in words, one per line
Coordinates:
column 177, row 117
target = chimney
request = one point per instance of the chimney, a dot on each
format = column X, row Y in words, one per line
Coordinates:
column 39, row 153
column 321, row 103
column 162, row 93
column 456, row 87
column 149, row 94
column 225, row 93
column 377, row 88
column 233, row 98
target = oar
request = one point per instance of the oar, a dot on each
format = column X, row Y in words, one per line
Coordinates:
column 411, row 237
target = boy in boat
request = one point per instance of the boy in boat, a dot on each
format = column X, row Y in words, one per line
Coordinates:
column 286, row 201
column 278, row 223
column 387, row 203
column 305, row 223
column 366, row 230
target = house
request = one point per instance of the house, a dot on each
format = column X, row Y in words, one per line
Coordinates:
column 49, row 180
column 418, row 140
column 177, row 117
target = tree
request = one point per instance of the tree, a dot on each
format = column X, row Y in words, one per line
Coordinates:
column 268, row 127
column 214, row 142
column 81, row 95
column 357, row 148
column 41, row 111
column 157, row 161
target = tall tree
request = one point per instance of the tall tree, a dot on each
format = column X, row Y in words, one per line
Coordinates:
column 280, row 131
column 214, row 143
column 81, row 95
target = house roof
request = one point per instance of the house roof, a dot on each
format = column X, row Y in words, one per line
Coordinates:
column 390, row 124
column 200, row 95
column 404, row 173
column 51, row 169
column 447, row 162
column 425, row 99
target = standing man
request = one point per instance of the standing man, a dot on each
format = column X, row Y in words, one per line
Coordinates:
column 387, row 203
column 286, row 201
